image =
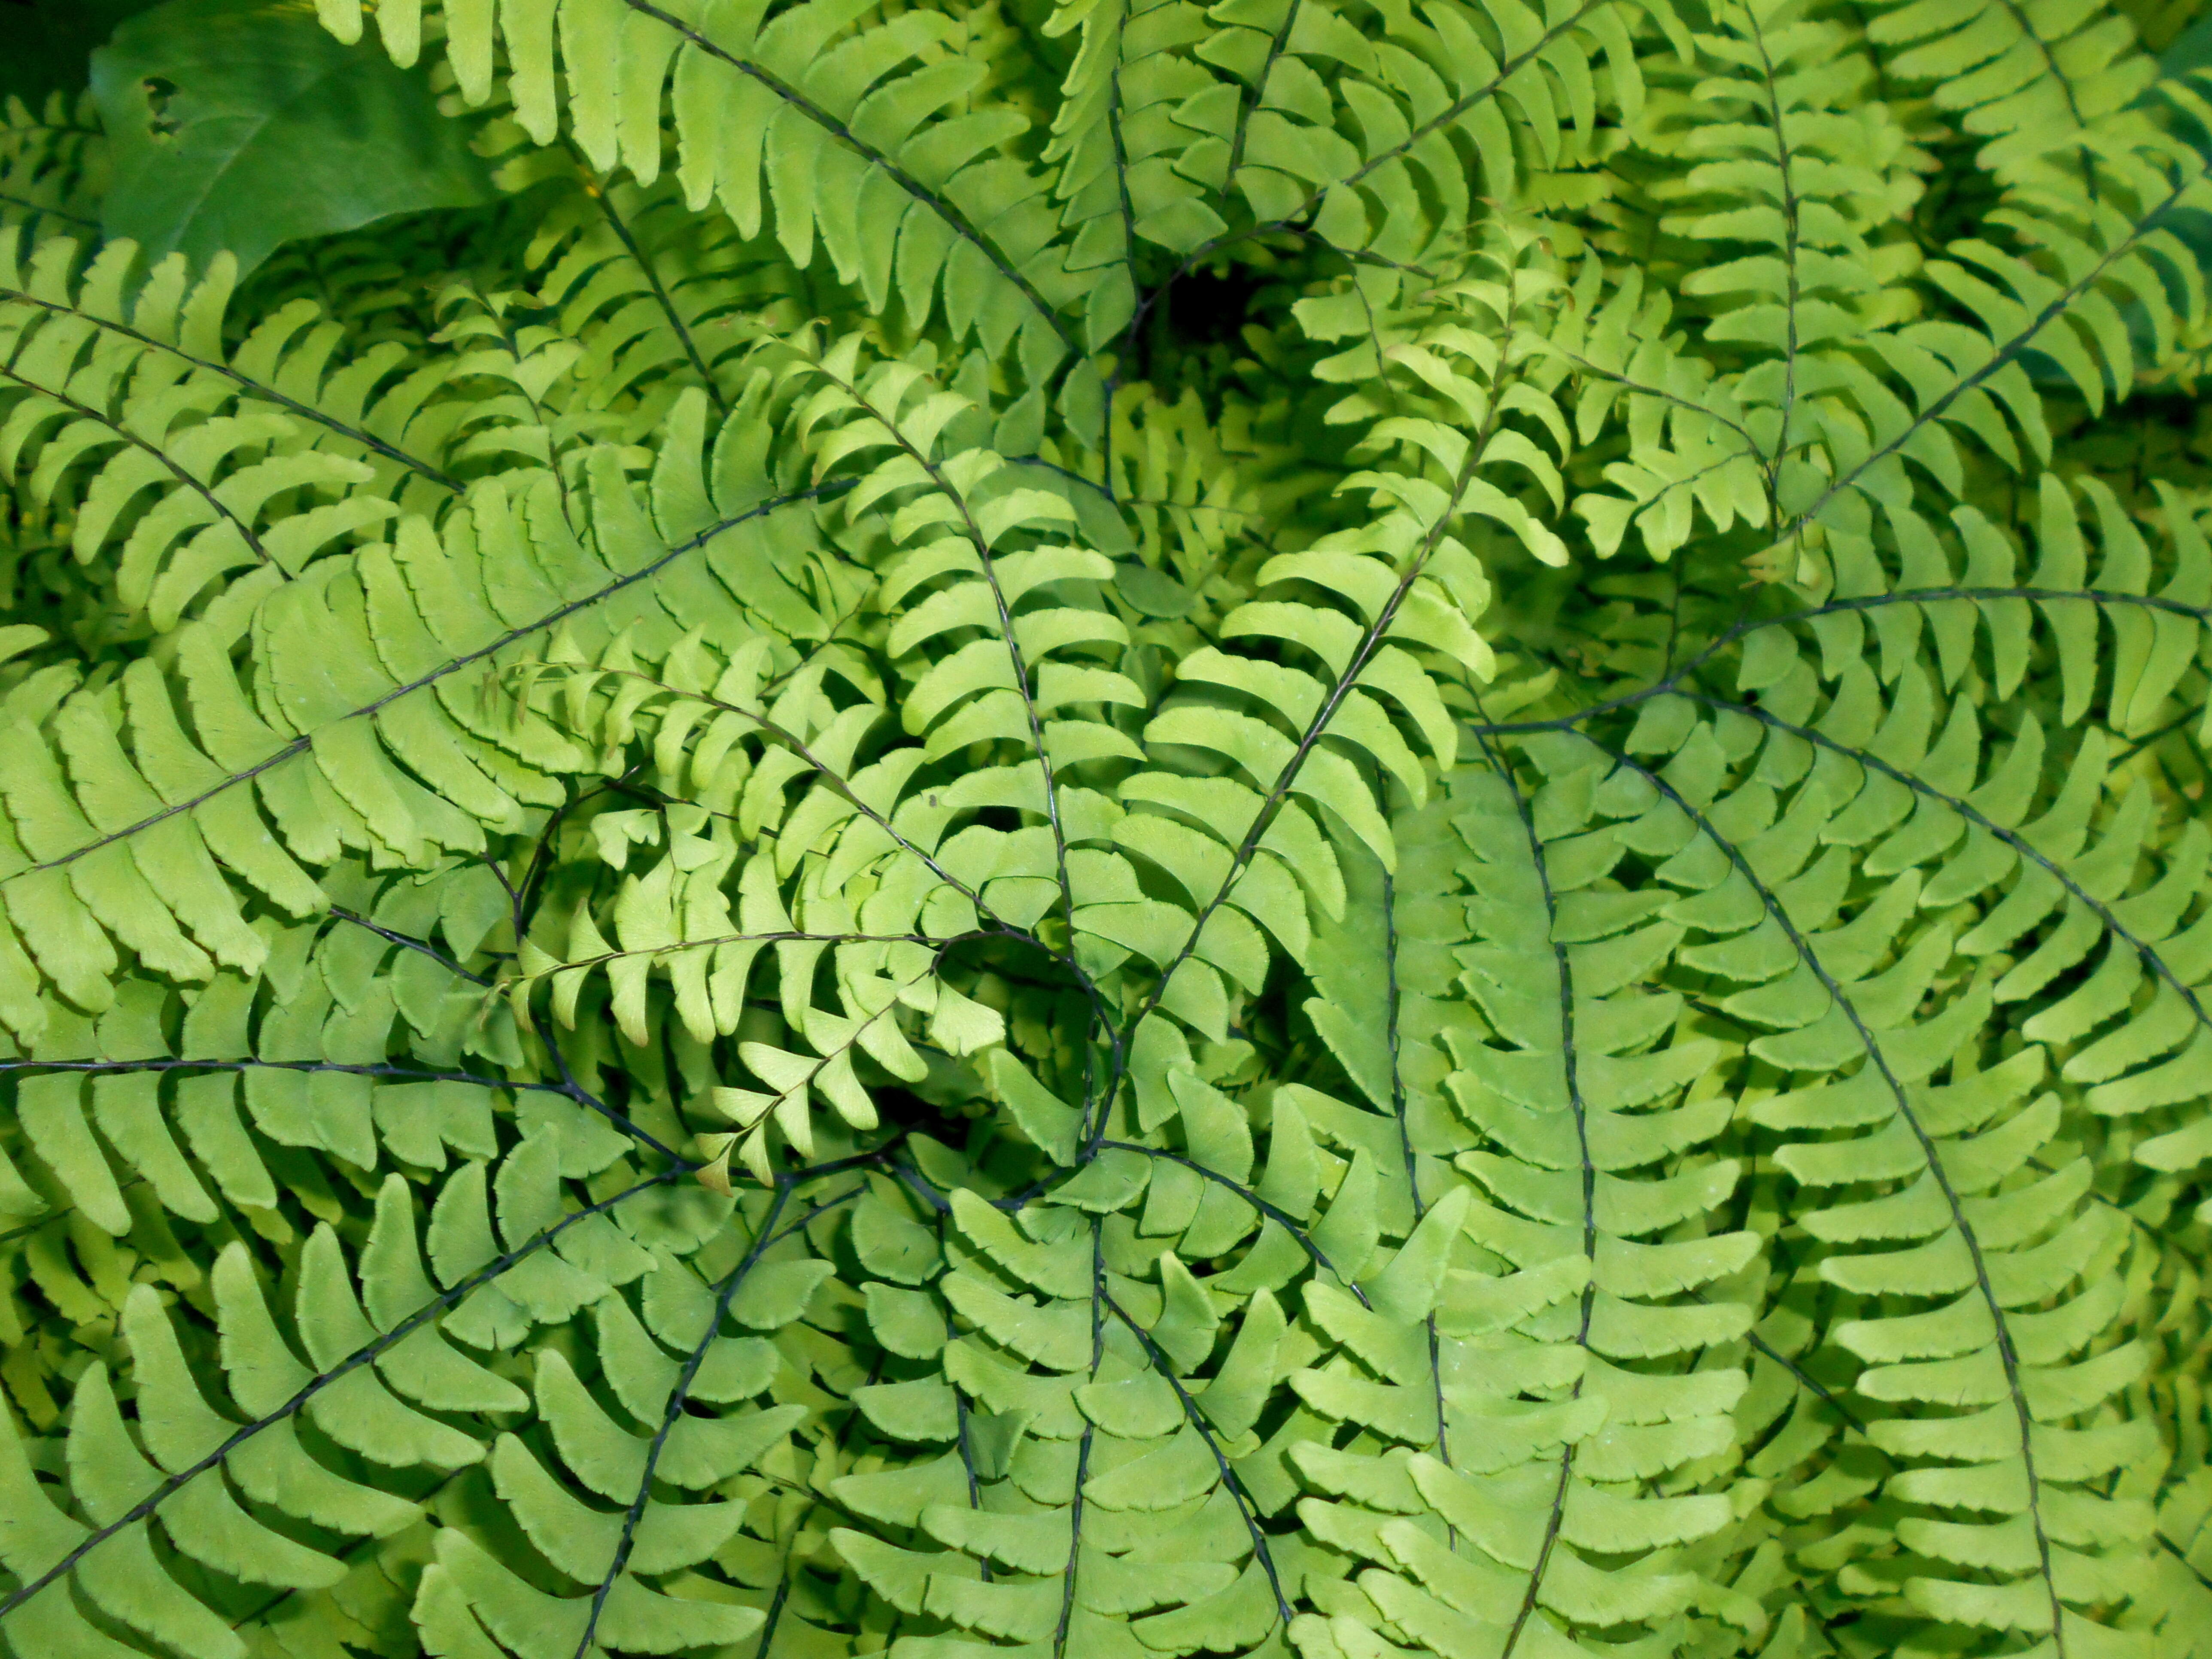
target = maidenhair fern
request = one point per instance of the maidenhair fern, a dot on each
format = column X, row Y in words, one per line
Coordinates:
column 1354, row 829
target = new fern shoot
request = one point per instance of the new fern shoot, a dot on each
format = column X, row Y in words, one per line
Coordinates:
column 1083, row 829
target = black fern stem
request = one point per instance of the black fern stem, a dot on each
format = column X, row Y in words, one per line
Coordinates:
column 1555, row 1514
column 1245, row 1508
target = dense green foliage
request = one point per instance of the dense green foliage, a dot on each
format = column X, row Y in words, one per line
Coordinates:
column 1358, row 827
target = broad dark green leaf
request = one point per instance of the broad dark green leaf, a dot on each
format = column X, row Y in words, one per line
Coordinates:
column 241, row 125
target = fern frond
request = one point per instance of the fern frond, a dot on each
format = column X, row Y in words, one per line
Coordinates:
column 2029, row 80
column 52, row 166
column 1970, row 1261
column 905, row 870
column 852, row 125
column 1555, row 1409
column 656, row 294
column 101, row 310
column 325, row 758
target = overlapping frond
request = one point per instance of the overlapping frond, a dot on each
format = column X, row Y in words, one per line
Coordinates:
column 875, row 139
column 1954, row 1317
column 1583, row 1364
column 355, row 725
column 1180, row 129
column 2032, row 81
column 660, row 298
column 52, row 165
column 906, row 871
